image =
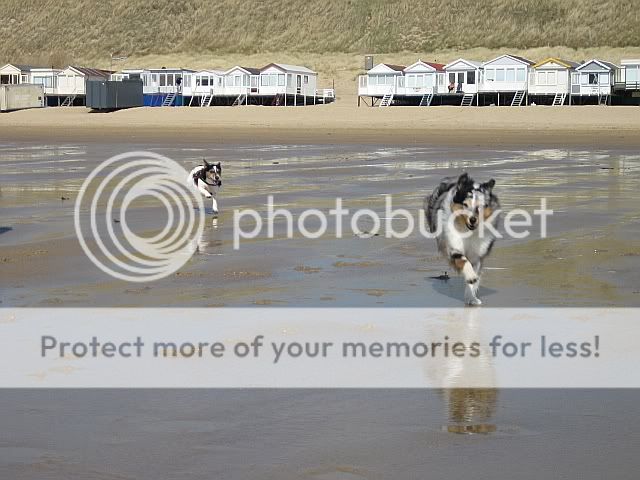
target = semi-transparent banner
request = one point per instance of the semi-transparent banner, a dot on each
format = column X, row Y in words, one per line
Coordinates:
column 319, row 348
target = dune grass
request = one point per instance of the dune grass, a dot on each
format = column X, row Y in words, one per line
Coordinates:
column 57, row 30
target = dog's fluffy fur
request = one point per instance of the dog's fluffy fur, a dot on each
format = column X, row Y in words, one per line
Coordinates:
column 207, row 179
column 459, row 211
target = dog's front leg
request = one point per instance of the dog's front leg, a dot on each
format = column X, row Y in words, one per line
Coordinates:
column 214, row 205
column 463, row 265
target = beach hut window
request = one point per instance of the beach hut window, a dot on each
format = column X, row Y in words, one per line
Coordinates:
column 163, row 80
column 490, row 75
column 521, row 74
column 186, row 80
column 281, row 79
column 205, row 81
column 500, row 75
column 604, row 79
column 245, row 80
column 306, row 79
column 452, row 78
column 593, row 79
column 551, row 78
column 23, row 79
column 511, row 75
column 632, row 74
column 289, row 79
column 471, row 77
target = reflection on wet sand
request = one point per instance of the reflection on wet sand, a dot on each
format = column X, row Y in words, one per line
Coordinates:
column 469, row 410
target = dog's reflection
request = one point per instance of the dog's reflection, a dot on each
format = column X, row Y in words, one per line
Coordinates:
column 469, row 410
column 209, row 242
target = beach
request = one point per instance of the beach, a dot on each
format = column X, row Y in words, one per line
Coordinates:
column 584, row 160
column 342, row 122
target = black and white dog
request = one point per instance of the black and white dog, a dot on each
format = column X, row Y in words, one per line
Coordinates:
column 460, row 212
column 207, row 179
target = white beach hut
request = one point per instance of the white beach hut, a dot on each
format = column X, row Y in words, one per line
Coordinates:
column 72, row 83
column 551, row 78
column 628, row 75
column 202, row 86
column 241, row 81
column 381, row 80
column 506, row 75
column 594, row 78
column 14, row 74
column 463, row 77
column 281, row 78
column 422, row 78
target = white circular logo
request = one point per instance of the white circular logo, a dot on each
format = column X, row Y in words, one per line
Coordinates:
column 121, row 232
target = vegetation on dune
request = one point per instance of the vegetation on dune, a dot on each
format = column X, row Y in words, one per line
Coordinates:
column 57, row 31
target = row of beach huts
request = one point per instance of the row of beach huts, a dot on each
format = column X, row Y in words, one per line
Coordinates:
column 505, row 80
column 273, row 84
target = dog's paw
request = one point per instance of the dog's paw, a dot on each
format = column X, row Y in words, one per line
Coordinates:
column 473, row 301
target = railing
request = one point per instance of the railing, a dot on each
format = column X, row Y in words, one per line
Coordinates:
column 326, row 93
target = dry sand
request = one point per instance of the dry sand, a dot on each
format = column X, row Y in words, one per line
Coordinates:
column 342, row 122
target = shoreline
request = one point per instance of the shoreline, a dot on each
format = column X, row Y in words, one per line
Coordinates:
column 575, row 126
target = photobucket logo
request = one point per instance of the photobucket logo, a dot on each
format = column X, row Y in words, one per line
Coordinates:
column 395, row 223
column 117, row 195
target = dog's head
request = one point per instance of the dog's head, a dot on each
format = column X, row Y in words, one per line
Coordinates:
column 213, row 172
column 473, row 202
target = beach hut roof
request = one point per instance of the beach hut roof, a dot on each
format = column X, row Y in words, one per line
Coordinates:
column 471, row 63
column 439, row 67
column 630, row 61
column 386, row 68
column 602, row 63
column 515, row 57
column 289, row 68
column 559, row 61
column 21, row 67
column 91, row 72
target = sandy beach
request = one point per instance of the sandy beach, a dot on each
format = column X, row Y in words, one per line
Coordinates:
column 584, row 161
column 342, row 122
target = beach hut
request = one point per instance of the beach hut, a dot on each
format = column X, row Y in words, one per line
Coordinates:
column 72, row 82
column 628, row 75
column 281, row 78
column 425, row 79
column 594, row 78
column 12, row 74
column 505, row 77
column 160, row 86
column 240, row 82
column 203, row 86
column 380, row 82
column 551, row 78
column 463, row 77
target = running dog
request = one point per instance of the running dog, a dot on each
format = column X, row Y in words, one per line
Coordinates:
column 207, row 179
column 463, row 215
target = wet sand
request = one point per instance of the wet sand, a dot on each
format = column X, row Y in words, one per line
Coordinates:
column 591, row 258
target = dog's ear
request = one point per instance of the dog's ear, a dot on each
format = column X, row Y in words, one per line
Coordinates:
column 219, row 165
column 463, row 180
column 205, row 163
column 488, row 186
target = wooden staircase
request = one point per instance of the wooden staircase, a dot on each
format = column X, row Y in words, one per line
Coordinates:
column 387, row 100
column 467, row 100
column 205, row 101
column 518, row 98
column 241, row 99
column 603, row 99
column 68, row 101
column 168, row 100
column 558, row 100
column 426, row 100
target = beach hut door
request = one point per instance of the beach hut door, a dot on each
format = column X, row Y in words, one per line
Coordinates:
column 298, row 83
